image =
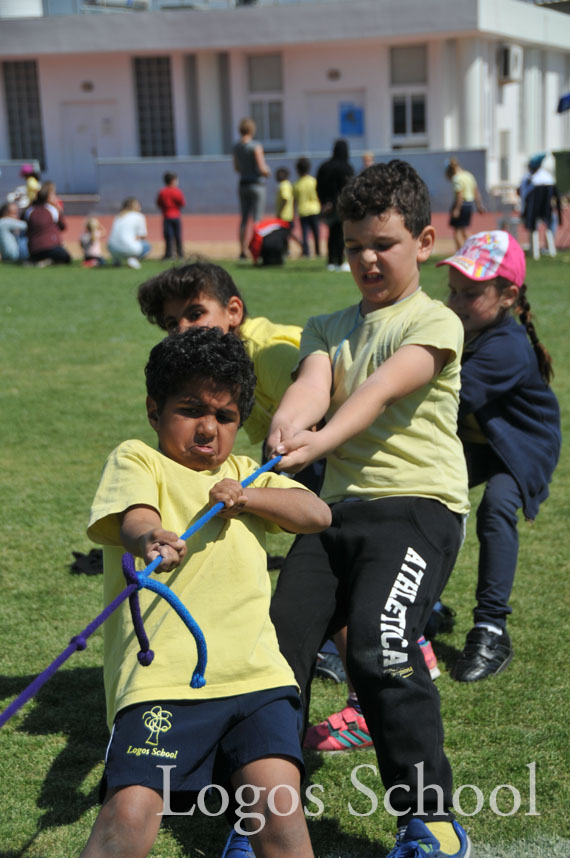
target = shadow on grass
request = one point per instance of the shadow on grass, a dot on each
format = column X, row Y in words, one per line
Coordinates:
column 445, row 653
column 71, row 704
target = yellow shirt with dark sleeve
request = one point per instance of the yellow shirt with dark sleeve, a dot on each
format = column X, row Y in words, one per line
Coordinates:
column 305, row 194
column 222, row 581
column 274, row 350
column 284, row 201
column 412, row 448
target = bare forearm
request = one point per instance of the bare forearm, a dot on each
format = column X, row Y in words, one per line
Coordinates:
column 143, row 535
column 355, row 415
column 295, row 510
column 303, row 405
column 135, row 524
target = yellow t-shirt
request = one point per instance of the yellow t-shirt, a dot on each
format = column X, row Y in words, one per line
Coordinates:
column 284, row 200
column 412, row 448
column 223, row 582
column 32, row 188
column 464, row 182
column 305, row 194
column 274, row 350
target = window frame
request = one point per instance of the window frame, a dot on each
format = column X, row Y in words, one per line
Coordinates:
column 265, row 99
column 156, row 131
column 410, row 138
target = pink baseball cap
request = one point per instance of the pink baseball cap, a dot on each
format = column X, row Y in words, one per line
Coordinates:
column 487, row 255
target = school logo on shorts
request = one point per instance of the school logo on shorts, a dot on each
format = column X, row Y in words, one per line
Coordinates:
column 157, row 720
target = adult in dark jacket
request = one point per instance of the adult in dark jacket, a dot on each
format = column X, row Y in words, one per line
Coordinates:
column 45, row 224
column 249, row 162
column 509, row 422
column 332, row 176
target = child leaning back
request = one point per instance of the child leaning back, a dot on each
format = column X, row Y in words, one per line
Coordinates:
column 242, row 726
column 385, row 374
column 509, row 422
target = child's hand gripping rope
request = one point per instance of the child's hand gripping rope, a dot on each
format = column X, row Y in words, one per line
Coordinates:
column 138, row 580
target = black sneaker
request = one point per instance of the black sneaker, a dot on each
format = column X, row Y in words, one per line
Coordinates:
column 441, row 621
column 485, row 653
column 330, row 666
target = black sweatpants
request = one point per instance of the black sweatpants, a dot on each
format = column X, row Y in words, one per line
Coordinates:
column 379, row 568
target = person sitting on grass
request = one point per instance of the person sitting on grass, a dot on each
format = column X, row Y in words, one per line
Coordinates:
column 128, row 236
column 204, row 294
column 45, row 225
column 13, row 241
column 241, row 727
column 385, row 372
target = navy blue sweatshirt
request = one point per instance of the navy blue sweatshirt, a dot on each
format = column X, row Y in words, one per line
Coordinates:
column 517, row 412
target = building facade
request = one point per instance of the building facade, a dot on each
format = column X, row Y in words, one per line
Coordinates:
column 106, row 97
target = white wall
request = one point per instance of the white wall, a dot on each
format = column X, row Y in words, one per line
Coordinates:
column 361, row 68
column 209, row 104
column 466, row 107
column 61, row 86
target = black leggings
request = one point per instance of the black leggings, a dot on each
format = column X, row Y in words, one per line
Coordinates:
column 57, row 254
column 335, row 244
column 378, row 569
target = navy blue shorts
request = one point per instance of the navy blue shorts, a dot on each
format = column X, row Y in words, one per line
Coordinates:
column 204, row 742
column 463, row 219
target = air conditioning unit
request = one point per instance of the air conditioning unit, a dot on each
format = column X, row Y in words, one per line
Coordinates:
column 510, row 63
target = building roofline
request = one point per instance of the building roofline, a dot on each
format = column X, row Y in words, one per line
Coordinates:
column 272, row 26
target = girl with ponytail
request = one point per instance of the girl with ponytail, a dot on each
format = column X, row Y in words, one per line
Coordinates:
column 509, row 423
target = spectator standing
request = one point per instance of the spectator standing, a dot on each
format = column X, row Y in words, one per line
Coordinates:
column 32, row 180
column 284, row 206
column 541, row 202
column 332, row 176
column 249, row 162
column 367, row 159
column 127, row 239
column 308, row 205
column 466, row 197
column 171, row 201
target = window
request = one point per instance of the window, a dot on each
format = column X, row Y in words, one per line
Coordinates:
column 23, row 111
column 408, row 81
column 265, row 84
column 154, row 106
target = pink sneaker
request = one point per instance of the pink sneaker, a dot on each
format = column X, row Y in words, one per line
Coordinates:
column 342, row 731
column 429, row 656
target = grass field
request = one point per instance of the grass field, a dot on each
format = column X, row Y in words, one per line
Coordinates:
column 73, row 347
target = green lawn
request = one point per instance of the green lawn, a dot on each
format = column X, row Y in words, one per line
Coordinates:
column 73, row 347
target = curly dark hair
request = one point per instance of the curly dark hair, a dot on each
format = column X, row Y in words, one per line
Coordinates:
column 203, row 354
column 186, row 281
column 380, row 188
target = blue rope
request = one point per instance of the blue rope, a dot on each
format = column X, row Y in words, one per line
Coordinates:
column 143, row 580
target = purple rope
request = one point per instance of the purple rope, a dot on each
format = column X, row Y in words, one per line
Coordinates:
column 79, row 642
column 146, row 655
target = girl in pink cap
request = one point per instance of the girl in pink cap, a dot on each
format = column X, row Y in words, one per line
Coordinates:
column 509, row 423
